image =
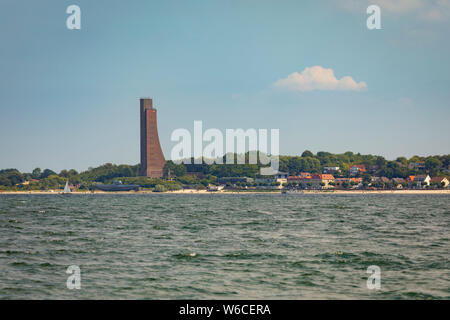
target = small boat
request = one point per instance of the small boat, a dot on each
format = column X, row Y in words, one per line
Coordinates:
column 67, row 189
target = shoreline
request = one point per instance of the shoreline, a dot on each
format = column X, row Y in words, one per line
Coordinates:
column 305, row 192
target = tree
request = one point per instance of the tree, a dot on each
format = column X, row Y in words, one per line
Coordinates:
column 159, row 188
column 366, row 179
column 72, row 172
column 64, row 173
column 307, row 153
column 402, row 160
column 180, row 170
column 125, row 170
column 200, row 187
column 380, row 162
column 295, row 165
column 5, row 182
column 36, row 174
column 302, row 164
column 432, row 164
column 46, row 173
column 11, row 177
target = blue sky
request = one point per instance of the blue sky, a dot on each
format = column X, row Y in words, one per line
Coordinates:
column 70, row 98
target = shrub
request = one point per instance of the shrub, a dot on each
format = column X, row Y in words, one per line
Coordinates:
column 159, row 188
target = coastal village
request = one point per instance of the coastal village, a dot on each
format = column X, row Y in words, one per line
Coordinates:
column 126, row 179
column 358, row 178
column 322, row 171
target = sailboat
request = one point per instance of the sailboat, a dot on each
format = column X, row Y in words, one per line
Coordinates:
column 67, row 189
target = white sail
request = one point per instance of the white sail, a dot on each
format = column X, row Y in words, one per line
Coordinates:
column 67, row 188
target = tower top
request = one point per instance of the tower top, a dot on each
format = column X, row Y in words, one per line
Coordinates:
column 146, row 103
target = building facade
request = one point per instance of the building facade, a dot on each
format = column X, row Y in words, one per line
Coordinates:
column 440, row 181
column 357, row 169
column 422, row 180
column 331, row 169
column 315, row 181
column 152, row 157
column 322, row 181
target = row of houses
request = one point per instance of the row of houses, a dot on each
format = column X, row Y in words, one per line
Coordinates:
column 322, row 181
column 325, row 181
column 425, row 180
column 353, row 170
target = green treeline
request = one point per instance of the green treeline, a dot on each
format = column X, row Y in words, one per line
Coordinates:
column 201, row 175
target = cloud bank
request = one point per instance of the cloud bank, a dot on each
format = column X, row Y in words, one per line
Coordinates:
column 318, row 78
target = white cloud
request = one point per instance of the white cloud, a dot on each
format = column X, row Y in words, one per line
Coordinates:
column 318, row 78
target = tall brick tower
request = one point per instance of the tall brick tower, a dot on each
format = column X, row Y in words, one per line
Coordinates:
column 152, row 157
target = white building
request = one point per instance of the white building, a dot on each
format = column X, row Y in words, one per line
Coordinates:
column 331, row 169
column 422, row 180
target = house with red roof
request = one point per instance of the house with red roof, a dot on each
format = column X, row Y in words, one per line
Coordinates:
column 300, row 176
column 322, row 181
column 440, row 181
column 316, row 181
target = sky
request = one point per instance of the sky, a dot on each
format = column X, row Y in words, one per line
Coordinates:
column 312, row 69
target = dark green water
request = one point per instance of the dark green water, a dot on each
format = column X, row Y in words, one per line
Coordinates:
column 225, row 246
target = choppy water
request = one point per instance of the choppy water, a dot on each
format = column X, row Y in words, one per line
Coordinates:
column 224, row 246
